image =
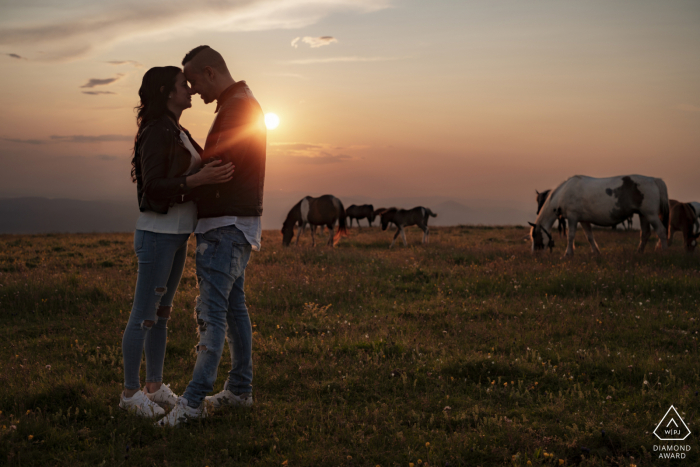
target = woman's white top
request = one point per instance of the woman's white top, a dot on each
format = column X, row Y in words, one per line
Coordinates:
column 181, row 217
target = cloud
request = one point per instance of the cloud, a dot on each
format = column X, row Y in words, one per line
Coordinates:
column 19, row 57
column 322, row 158
column 73, row 139
column 65, row 37
column 314, row 42
column 307, row 153
column 97, row 93
column 125, row 62
column 309, row 61
column 296, row 146
column 107, row 157
column 26, row 141
column 101, row 82
column 91, row 139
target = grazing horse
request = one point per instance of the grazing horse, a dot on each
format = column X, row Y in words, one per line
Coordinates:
column 366, row 211
column 605, row 202
column 541, row 198
column 404, row 218
column 683, row 217
column 324, row 210
column 696, row 206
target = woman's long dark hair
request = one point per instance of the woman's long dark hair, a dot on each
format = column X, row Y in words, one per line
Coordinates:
column 156, row 85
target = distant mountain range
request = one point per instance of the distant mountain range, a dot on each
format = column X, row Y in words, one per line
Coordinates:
column 44, row 215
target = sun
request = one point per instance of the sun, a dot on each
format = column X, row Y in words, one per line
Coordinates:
column 272, row 121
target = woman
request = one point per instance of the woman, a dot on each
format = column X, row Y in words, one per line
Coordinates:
column 165, row 168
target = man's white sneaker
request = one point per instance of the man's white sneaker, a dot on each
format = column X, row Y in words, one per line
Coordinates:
column 226, row 397
column 181, row 413
column 140, row 405
column 164, row 396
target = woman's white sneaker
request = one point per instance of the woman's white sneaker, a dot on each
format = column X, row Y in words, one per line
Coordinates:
column 140, row 405
column 164, row 396
column 181, row 413
column 226, row 397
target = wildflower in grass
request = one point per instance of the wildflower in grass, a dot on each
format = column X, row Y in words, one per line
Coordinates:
column 561, row 462
column 530, row 462
column 411, row 464
column 427, row 445
column 31, row 437
column 28, row 412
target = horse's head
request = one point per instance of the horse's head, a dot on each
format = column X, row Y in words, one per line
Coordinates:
column 387, row 217
column 537, row 234
column 287, row 233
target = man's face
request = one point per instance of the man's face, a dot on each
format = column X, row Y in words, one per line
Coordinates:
column 200, row 83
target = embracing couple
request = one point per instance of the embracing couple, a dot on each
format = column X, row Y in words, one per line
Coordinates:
column 216, row 193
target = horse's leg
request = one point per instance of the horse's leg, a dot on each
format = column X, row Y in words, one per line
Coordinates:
column 660, row 232
column 586, row 226
column 424, row 228
column 398, row 231
column 645, row 232
column 403, row 236
column 313, row 235
column 671, row 233
column 570, row 239
column 331, row 229
column 301, row 231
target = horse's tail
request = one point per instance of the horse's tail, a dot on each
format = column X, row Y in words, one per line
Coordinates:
column 342, row 229
column 430, row 213
column 663, row 202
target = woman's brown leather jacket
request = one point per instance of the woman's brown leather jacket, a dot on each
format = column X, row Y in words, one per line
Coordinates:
column 161, row 162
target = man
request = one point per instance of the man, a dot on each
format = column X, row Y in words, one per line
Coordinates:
column 228, row 228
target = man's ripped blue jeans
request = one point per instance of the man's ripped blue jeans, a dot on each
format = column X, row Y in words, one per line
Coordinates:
column 222, row 256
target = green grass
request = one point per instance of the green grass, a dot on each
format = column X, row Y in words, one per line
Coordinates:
column 467, row 351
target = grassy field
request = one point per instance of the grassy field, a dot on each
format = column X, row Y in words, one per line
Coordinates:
column 468, row 351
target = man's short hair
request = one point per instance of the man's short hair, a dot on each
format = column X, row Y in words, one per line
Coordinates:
column 204, row 56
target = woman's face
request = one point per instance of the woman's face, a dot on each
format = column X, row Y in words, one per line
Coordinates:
column 181, row 95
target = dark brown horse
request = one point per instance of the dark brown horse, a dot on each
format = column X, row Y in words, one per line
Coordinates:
column 324, row 210
column 682, row 217
column 404, row 218
column 366, row 211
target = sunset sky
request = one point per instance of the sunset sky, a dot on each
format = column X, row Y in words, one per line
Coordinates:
column 379, row 98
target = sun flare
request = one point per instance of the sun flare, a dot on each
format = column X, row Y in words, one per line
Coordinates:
column 272, row 121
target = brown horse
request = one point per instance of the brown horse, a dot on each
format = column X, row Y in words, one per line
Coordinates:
column 682, row 217
column 324, row 210
column 404, row 218
column 366, row 211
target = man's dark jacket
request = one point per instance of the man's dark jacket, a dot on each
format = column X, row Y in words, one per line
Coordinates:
column 238, row 135
column 161, row 162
